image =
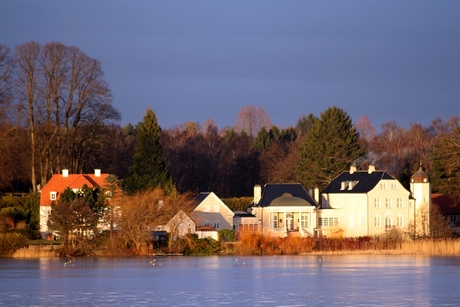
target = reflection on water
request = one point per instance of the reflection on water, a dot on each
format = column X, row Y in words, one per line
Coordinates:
column 245, row 281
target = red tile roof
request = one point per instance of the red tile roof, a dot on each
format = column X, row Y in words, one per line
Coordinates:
column 448, row 204
column 58, row 183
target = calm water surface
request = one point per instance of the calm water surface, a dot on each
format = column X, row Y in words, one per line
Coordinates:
column 227, row 281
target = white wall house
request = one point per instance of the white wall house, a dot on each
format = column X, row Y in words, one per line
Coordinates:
column 211, row 215
column 369, row 202
column 52, row 191
column 180, row 225
column 284, row 209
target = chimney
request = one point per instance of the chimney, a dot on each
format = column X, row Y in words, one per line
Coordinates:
column 257, row 193
column 65, row 173
column 97, row 172
column 352, row 169
column 371, row 168
column 317, row 195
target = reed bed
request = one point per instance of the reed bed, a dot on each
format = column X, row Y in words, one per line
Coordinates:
column 255, row 244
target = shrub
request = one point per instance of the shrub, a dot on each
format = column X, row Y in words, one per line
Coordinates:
column 10, row 242
column 200, row 247
column 227, row 235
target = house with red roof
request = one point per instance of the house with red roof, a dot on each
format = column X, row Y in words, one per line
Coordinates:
column 57, row 184
column 449, row 205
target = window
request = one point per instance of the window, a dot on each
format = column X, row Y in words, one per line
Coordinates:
column 216, row 225
column 275, row 221
column 388, row 223
column 328, row 221
column 399, row 202
column 206, row 208
column 207, row 223
column 394, row 186
column 388, row 202
column 216, row 208
column 304, row 220
column 383, row 186
column 53, row 195
column 399, row 221
column 377, row 202
column 377, row 221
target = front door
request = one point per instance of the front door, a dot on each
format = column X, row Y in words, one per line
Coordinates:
column 289, row 222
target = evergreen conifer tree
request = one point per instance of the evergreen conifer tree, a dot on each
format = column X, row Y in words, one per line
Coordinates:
column 149, row 168
column 330, row 147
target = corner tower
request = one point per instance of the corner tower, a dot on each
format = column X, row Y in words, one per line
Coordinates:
column 420, row 188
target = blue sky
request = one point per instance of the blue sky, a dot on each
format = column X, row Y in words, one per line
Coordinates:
column 193, row 60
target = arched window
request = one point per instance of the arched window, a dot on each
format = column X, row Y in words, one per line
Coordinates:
column 388, row 223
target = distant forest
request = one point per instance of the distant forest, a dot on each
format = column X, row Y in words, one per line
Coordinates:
column 56, row 113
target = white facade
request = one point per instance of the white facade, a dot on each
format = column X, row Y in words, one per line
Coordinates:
column 180, row 225
column 212, row 212
column 284, row 209
column 368, row 203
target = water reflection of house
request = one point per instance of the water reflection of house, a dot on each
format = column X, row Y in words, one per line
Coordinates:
column 284, row 209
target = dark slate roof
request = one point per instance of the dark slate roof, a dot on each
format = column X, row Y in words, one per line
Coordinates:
column 364, row 181
column 287, row 200
column 291, row 191
column 200, row 197
column 243, row 214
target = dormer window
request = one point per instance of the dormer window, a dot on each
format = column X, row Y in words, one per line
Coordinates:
column 352, row 184
column 53, row 195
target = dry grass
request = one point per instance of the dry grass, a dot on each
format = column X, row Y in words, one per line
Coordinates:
column 37, row 251
column 256, row 244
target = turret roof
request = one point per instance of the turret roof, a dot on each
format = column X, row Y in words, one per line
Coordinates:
column 419, row 177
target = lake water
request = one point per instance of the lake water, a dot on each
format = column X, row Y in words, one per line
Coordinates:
column 226, row 281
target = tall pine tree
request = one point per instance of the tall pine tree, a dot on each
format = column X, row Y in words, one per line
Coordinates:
column 330, row 147
column 149, row 168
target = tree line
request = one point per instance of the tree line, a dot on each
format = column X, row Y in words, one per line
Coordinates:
column 56, row 112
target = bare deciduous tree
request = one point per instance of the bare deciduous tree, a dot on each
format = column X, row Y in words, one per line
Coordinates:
column 139, row 214
column 6, row 69
column 67, row 100
column 26, row 58
column 251, row 120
